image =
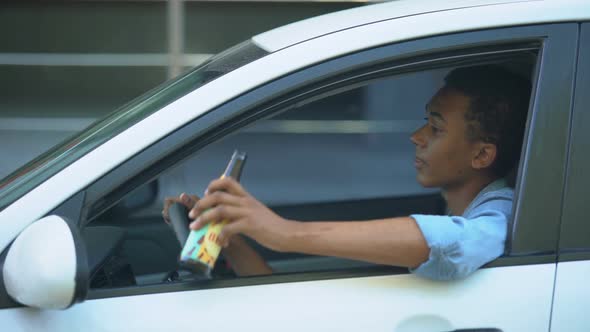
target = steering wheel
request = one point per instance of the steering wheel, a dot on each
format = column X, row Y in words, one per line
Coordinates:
column 179, row 221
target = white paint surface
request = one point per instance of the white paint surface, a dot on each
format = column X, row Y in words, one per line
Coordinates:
column 490, row 13
column 510, row 298
column 40, row 267
column 571, row 304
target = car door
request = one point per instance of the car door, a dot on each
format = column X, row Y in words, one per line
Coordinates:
column 572, row 292
column 513, row 293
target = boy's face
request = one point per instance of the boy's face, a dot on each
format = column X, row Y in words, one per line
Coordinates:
column 443, row 153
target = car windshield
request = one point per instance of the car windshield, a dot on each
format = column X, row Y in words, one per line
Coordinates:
column 49, row 163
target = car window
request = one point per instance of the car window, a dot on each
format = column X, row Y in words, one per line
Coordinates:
column 351, row 145
column 342, row 154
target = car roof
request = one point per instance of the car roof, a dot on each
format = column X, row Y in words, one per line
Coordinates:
column 537, row 11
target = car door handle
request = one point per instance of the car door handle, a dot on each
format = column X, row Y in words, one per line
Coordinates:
column 484, row 329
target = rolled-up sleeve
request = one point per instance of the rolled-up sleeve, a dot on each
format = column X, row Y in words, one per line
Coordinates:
column 460, row 245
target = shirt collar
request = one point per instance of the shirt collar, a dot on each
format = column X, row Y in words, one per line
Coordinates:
column 493, row 186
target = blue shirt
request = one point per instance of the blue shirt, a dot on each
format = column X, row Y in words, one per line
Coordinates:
column 459, row 245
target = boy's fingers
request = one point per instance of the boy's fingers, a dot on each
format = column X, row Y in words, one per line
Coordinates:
column 217, row 214
column 229, row 231
column 168, row 201
column 188, row 200
column 212, row 200
column 226, row 184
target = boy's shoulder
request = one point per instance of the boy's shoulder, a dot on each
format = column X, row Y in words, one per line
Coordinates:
column 497, row 195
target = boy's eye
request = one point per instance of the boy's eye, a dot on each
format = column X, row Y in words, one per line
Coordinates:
column 434, row 129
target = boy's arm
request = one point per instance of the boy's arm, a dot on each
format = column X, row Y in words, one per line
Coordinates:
column 439, row 247
column 392, row 241
column 244, row 260
column 395, row 241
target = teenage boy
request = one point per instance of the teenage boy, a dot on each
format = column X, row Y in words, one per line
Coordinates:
column 469, row 144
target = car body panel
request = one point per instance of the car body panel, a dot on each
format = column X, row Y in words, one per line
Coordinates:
column 399, row 303
column 575, row 230
column 571, row 297
column 424, row 18
column 572, row 290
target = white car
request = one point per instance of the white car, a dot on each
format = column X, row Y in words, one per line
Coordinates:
column 324, row 108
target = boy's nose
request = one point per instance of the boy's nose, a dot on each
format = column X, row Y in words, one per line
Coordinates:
column 417, row 138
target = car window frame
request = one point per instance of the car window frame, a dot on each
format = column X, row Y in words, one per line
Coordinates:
column 540, row 197
column 521, row 249
column 574, row 243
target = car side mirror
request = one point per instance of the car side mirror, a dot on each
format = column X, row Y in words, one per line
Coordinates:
column 46, row 266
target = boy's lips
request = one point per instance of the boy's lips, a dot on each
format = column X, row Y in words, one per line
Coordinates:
column 419, row 163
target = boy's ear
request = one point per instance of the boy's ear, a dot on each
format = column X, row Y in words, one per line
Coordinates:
column 484, row 156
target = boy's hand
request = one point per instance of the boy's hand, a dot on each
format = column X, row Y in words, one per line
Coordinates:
column 187, row 200
column 226, row 199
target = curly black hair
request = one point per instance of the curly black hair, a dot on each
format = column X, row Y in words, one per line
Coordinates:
column 499, row 101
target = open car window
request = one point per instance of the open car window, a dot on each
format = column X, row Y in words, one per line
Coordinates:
column 342, row 154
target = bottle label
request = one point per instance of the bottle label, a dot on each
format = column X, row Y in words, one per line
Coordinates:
column 203, row 245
